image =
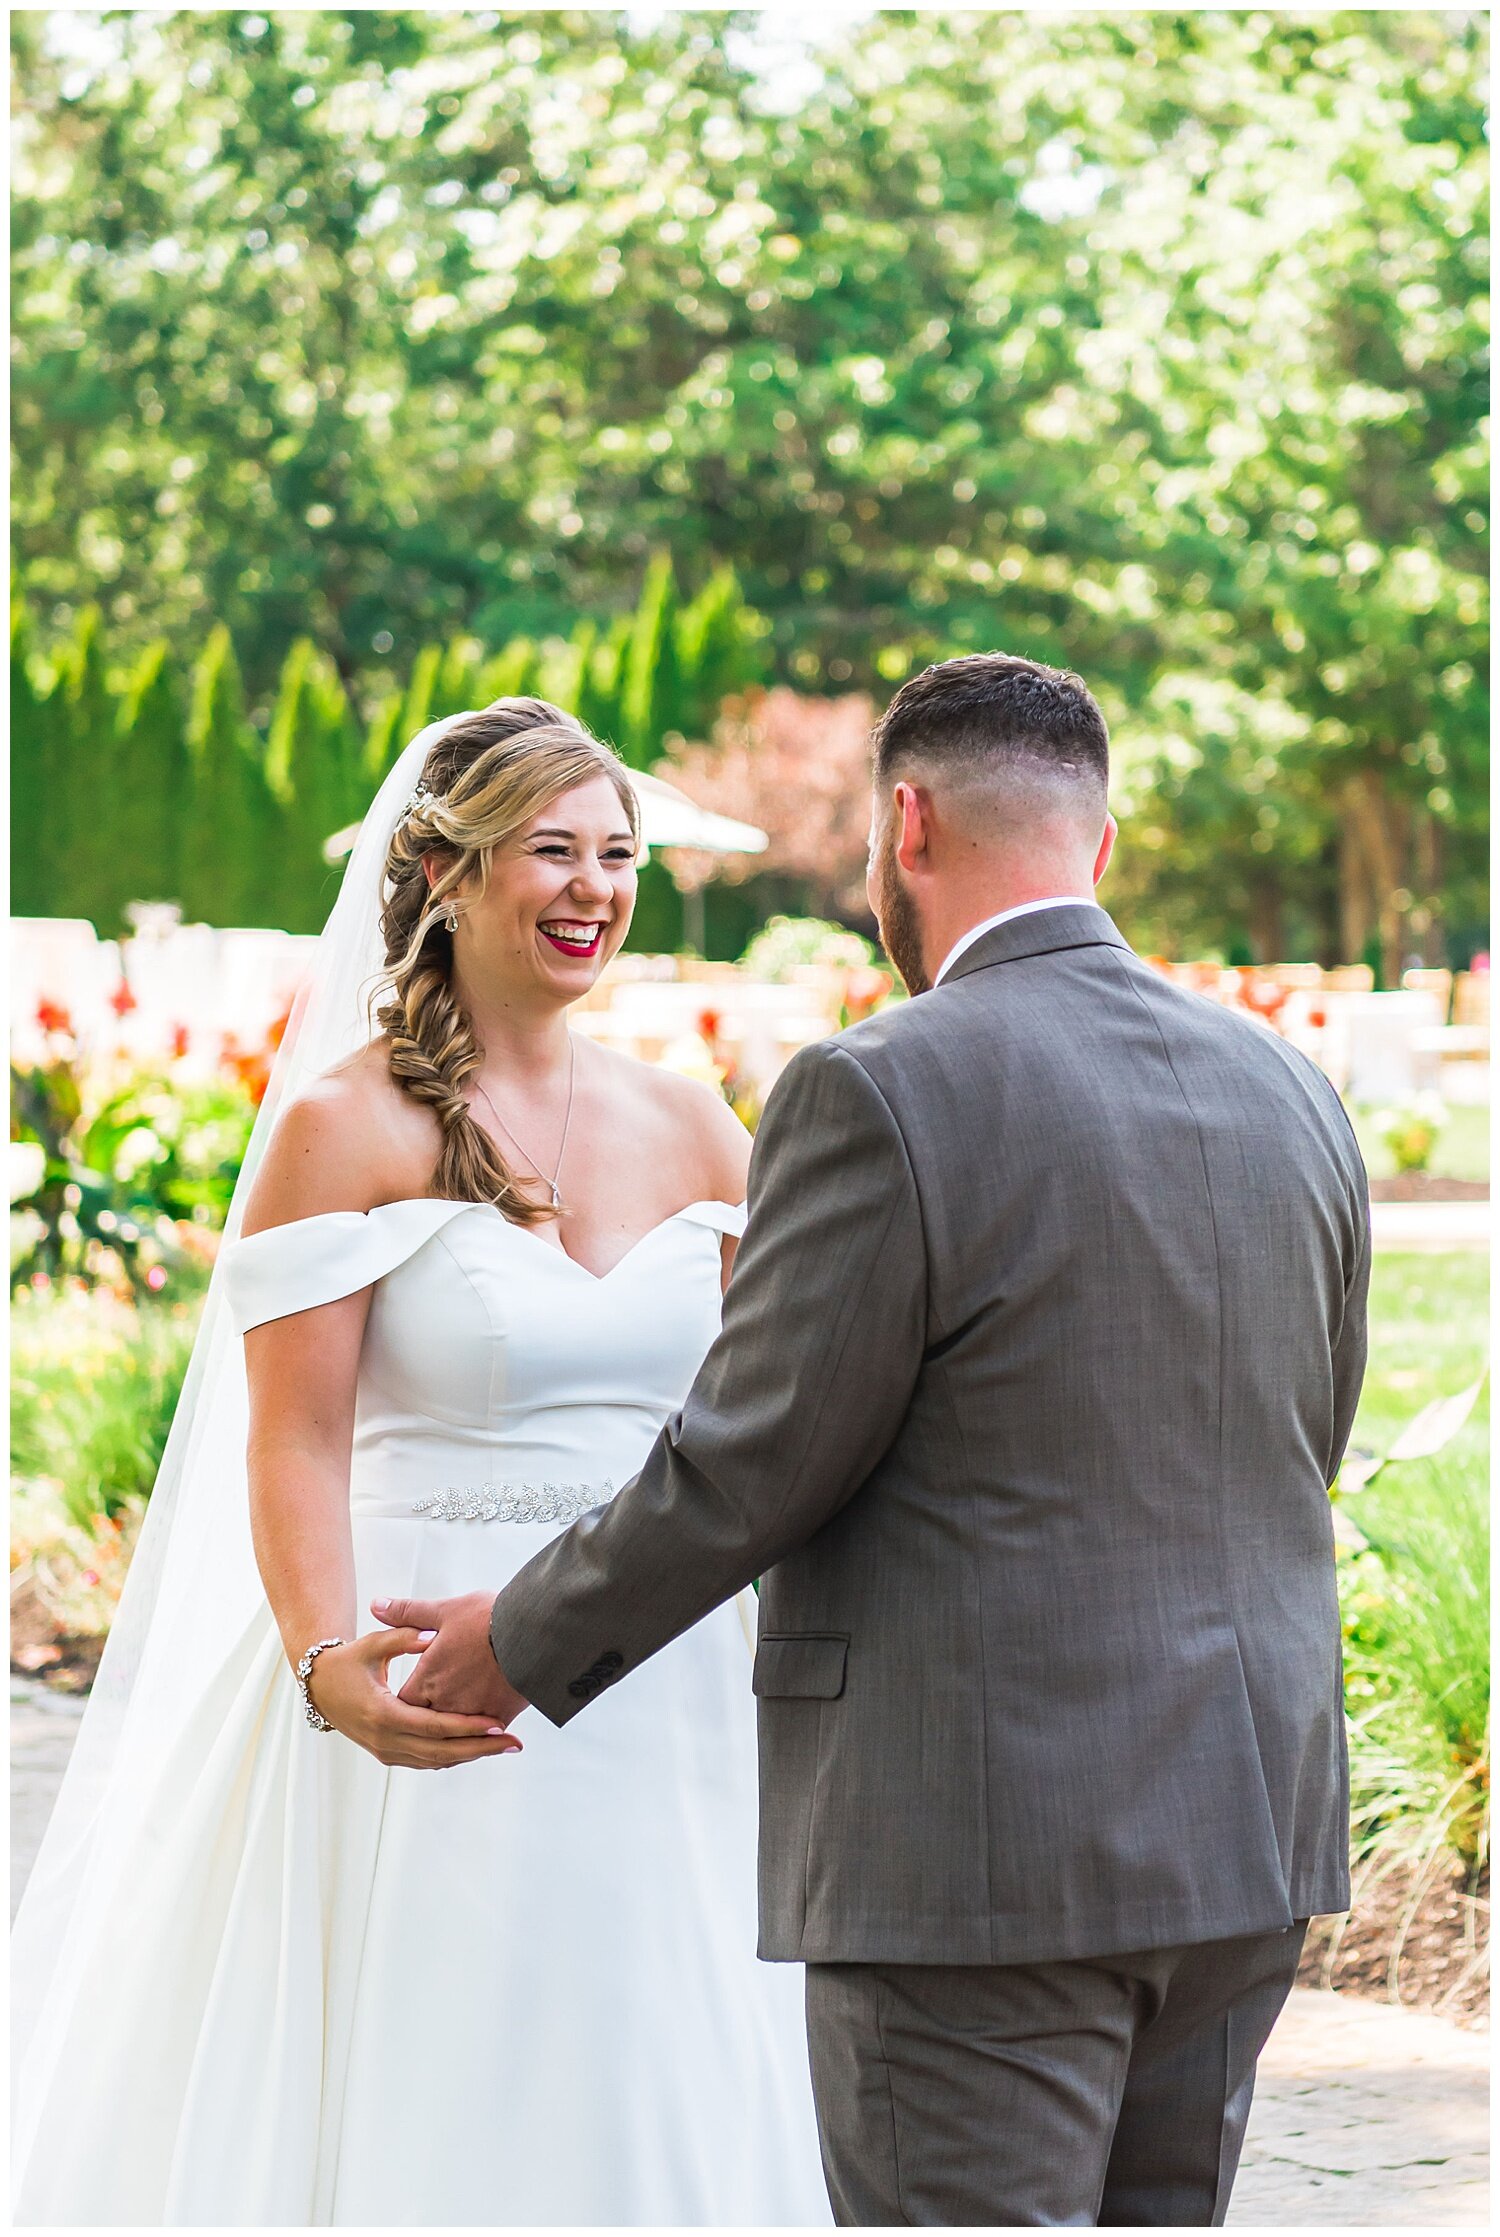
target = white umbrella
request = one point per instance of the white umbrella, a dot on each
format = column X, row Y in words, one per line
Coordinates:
column 668, row 819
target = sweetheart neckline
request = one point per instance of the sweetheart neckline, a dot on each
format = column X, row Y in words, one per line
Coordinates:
column 577, row 1263
column 473, row 1204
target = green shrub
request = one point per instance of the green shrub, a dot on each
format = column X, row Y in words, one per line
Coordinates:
column 122, row 1177
column 94, row 1384
column 1416, row 1648
column 1411, row 1133
column 788, row 944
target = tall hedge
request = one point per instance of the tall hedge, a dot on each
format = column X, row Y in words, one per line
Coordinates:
column 152, row 782
column 235, row 826
column 36, row 776
column 315, row 768
column 155, row 780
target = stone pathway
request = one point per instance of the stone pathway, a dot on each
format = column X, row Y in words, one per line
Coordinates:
column 1431, row 1227
column 42, row 1728
column 1367, row 2116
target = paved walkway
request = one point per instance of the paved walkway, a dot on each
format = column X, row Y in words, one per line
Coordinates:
column 42, row 1726
column 1366, row 2116
column 1431, row 1227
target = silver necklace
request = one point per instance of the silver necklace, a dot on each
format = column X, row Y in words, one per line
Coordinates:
column 479, row 1089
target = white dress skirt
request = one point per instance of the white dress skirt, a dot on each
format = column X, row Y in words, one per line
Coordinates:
column 523, row 1991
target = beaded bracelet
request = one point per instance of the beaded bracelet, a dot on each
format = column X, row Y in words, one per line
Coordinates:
column 318, row 1722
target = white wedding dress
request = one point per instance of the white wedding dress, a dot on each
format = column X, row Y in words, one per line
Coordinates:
column 522, row 1991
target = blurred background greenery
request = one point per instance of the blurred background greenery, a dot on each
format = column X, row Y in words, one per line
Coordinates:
column 368, row 360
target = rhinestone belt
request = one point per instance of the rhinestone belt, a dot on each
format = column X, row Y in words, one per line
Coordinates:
column 513, row 1502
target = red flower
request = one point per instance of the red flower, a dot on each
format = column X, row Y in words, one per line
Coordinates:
column 180, row 1038
column 52, row 1017
column 251, row 1067
column 122, row 1001
column 864, row 987
column 709, row 1023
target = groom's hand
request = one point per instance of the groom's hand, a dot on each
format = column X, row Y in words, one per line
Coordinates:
column 458, row 1671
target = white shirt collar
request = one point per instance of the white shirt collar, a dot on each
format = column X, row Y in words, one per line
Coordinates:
column 975, row 932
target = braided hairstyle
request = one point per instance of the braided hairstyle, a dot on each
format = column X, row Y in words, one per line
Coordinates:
column 487, row 775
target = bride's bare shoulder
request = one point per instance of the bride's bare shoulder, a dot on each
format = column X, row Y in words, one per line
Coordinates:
column 691, row 1129
column 349, row 1141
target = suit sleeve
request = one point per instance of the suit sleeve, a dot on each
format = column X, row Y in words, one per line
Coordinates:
column 803, row 1391
column 1351, row 1345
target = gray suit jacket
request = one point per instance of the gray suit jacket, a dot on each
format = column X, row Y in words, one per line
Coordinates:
column 1039, row 1355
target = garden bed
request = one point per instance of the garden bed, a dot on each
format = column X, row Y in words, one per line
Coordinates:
column 1433, row 1955
column 1427, row 1188
column 64, row 1661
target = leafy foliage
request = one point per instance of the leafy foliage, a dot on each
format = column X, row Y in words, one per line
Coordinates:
column 1416, row 1650
column 115, row 1171
column 94, row 1385
column 135, row 782
column 1149, row 343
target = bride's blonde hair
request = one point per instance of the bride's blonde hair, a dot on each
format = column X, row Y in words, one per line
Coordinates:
column 486, row 776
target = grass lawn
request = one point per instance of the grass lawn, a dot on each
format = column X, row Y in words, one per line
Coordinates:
column 1429, row 1338
column 1461, row 1152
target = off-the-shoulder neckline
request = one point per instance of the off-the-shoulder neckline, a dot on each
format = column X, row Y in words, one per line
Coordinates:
column 464, row 1204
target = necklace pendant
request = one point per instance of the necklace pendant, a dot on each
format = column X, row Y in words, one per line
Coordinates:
column 556, row 1197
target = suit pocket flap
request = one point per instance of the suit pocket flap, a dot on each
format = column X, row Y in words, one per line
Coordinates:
column 806, row 1666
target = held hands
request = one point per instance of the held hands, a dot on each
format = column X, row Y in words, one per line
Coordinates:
column 458, row 1671
column 349, row 1686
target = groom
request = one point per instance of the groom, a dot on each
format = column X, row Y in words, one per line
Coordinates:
column 1040, row 1353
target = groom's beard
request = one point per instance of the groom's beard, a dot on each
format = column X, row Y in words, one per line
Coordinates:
column 900, row 934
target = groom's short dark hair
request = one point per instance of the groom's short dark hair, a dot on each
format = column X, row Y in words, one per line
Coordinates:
column 990, row 710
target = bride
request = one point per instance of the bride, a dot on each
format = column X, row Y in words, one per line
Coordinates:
column 265, row 1973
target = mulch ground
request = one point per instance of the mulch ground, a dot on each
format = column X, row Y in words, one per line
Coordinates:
column 38, row 1650
column 1427, row 1188
column 1434, row 1957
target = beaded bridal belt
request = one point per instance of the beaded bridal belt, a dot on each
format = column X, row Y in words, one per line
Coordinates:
column 514, row 1502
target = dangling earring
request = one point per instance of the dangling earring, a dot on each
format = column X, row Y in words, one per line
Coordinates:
column 451, row 920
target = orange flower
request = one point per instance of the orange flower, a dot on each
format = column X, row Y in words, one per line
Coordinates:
column 52, row 1017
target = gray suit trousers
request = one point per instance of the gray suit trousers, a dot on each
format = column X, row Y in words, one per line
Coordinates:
column 1105, row 2092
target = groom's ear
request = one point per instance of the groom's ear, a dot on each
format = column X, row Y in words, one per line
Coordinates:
column 913, row 826
column 1106, row 847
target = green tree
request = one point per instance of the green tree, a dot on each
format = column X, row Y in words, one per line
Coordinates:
column 86, row 868
column 234, row 830
column 156, row 779
column 650, row 703
column 38, row 786
column 719, row 650
column 1318, row 465
column 1147, row 343
column 314, row 770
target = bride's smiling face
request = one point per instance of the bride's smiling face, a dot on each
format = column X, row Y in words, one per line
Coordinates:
column 559, row 898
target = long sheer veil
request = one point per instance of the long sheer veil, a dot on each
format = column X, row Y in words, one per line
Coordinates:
column 193, row 1584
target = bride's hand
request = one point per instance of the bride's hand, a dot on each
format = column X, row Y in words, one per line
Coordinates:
column 350, row 1686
